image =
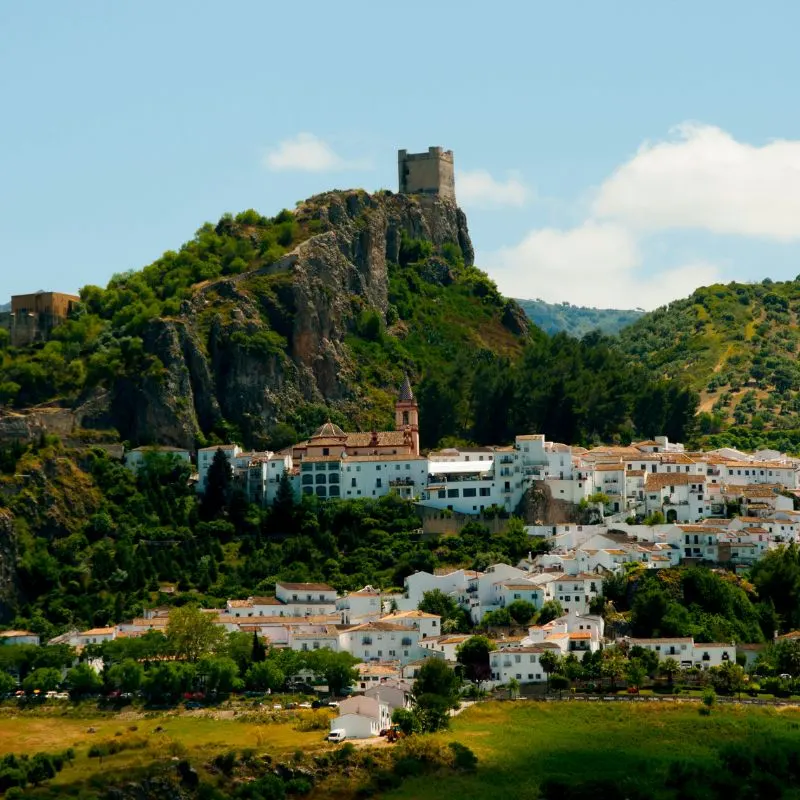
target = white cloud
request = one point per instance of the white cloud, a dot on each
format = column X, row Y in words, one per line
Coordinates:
column 477, row 188
column 305, row 152
column 594, row 264
column 703, row 178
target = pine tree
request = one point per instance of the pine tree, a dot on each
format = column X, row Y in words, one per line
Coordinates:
column 259, row 651
column 218, row 486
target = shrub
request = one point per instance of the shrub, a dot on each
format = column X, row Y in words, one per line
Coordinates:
column 225, row 762
column 463, row 757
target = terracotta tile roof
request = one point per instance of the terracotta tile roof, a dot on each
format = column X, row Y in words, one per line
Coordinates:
column 659, row 480
column 7, row 634
column 308, row 587
column 97, row 631
column 379, row 626
column 641, row 642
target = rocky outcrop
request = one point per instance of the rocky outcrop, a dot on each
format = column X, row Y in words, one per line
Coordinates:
column 8, row 572
column 248, row 350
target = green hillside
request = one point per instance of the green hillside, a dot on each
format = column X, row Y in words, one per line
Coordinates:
column 577, row 320
column 737, row 345
column 260, row 328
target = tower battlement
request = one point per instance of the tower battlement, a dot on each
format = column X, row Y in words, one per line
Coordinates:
column 429, row 174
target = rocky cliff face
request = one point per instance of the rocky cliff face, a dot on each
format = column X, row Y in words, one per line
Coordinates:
column 250, row 350
column 8, row 567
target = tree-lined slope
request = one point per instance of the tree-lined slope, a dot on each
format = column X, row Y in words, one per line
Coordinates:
column 737, row 345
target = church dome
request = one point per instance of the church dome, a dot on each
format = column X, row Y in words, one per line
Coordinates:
column 329, row 431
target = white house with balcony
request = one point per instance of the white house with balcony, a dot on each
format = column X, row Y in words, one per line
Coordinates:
column 470, row 486
column 510, row 590
column 364, row 605
column 521, row 663
column 479, row 595
column 382, row 641
column 680, row 497
column 687, row 653
column 453, row 583
column 576, row 592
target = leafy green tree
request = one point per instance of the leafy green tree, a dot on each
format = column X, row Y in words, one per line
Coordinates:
column 549, row 662
column 265, row 676
column 7, row 683
column 669, row 667
column 165, row 682
column 559, row 682
column 498, row 618
column 218, row 674
column 127, row 676
column 338, row 669
column 787, row 657
column 473, row 655
column 404, row 720
column 521, row 611
column 45, row 679
column 551, row 610
column 436, row 678
column 436, row 601
column 635, row 672
column 613, row 665
column 192, row 633
column 82, row 680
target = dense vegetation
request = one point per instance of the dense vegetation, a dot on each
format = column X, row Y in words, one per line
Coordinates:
column 446, row 324
column 737, row 345
column 576, row 391
column 103, row 340
column 96, row 543
column 577, row 321
column 711, row 606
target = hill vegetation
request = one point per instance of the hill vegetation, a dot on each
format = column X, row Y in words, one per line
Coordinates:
column 577, row 321
column 737, row 345
column 259, row 329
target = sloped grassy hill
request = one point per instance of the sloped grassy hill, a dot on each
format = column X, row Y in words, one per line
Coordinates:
column 737, row 345
column 577, row 320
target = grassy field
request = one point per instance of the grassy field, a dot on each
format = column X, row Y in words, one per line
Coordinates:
column 519, row 744
column 193, row 736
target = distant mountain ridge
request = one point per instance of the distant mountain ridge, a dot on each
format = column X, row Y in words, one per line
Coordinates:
column 577, row 320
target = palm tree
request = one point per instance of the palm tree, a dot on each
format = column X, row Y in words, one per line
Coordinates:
column 513, row 688
column 669, row 667
column 549, row 662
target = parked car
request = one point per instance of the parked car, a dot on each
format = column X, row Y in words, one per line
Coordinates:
column 277, row 707
column 333, row 704
column 304, row 705
column 337, row 735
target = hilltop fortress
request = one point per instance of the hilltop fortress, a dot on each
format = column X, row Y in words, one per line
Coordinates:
column 430, row 174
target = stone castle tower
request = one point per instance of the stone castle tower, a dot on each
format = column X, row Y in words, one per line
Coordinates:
column 430, row 174
column 406, row 415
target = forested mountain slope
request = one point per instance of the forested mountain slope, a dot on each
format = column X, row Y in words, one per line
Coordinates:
column 737, row 345
column 577, row 320
column 259, row 329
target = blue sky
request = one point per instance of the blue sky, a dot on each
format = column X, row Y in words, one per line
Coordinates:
column 614, row 154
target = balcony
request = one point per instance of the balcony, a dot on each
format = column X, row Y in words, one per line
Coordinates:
column 366, row 640
column 402, row 482
column 506, row 459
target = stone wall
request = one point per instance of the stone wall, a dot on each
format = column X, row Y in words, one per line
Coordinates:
column 430, row 173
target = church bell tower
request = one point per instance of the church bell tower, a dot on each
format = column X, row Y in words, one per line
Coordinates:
column 406, row 414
